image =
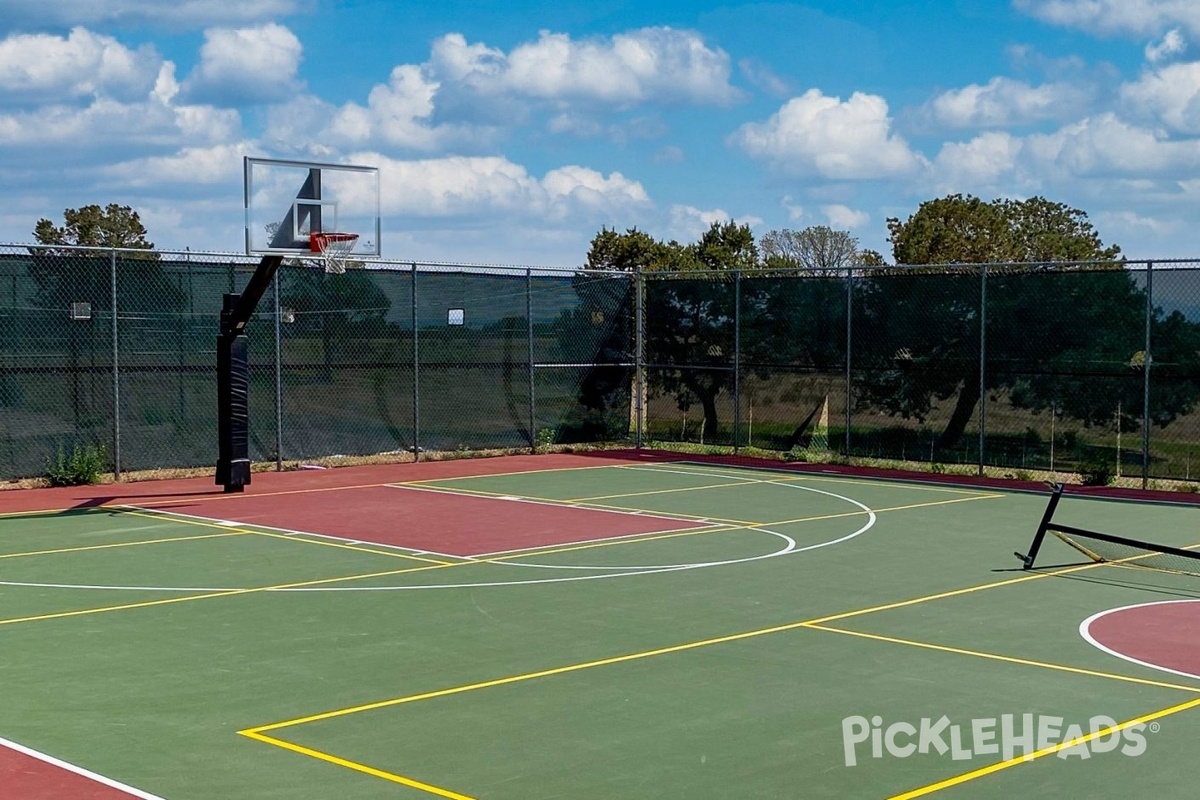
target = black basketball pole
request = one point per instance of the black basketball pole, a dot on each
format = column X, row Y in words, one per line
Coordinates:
column 233, row 378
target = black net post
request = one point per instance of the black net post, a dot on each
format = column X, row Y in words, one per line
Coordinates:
column 1027, row 559
column 233, row 407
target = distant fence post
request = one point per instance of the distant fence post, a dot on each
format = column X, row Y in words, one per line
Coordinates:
column 416, row 367
column 639, row 355
column 116, row 372
column 737, row 358
column 533, row 438
column 982, row 364
column 1147, row 362
column 849, row 340
column 278, row 374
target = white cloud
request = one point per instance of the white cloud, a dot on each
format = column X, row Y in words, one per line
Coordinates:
column 1116, row 17
column 216, row 165
column 239, row 65
column 80, row 65
column 467, row 186
column 688, row 223
column 179, row 13
column 1105, row 145
column 1171, row 44
column 845, row 218
column 659, row 65
column 1171, row 95
column 979, row 165
column 110, row 124
column 849, row 140
column 1005, row 102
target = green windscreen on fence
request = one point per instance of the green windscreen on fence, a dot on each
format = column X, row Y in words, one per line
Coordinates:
column 1066, row 368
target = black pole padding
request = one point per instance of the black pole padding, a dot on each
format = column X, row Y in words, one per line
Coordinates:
column 233, row 377
column 233, row 406
column 1047, row 515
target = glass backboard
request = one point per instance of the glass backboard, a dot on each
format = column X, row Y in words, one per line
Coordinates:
column 288, row 201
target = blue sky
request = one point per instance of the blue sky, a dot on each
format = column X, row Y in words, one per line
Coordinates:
column 510, row 132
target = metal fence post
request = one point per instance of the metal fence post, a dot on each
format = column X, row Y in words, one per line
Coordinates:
column 639, row 354
column 982, row 363
column 116, row 372
column 1148, row 361
column 278, row 375
column 416, row 368
column 849, row 340
column 737, row 358
column 533, row 437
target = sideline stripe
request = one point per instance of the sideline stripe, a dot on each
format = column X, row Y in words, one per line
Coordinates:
column 915, row 485
column 1012, row 762
column 294, row 536
column 357, row 767
column 1028, row 662
column 121, row 544
column 80, row 771
column 223, row 593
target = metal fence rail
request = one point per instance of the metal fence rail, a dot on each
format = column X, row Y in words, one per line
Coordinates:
column 1024, row 367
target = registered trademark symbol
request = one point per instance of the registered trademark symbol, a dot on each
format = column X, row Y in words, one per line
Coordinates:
column 1155, row 727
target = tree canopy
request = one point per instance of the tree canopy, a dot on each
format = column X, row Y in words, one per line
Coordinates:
column 64, row 274
column 93, row 226
column 1065, row 322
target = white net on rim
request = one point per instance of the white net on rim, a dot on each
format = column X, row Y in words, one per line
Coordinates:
column 334, row 249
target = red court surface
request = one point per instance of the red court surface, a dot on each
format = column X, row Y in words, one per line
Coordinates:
column 23, row 777
column 1162, row 635
column 304, row 480
column 428, row 521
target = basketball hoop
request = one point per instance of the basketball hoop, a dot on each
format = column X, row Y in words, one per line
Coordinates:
column 333, row 248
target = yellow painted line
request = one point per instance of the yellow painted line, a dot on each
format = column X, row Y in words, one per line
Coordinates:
column 1026, row 662
column 528, row 676
column 651, row 537
column 423, row 481
column 555, row 501
column 678, row 489
column 298, row 536
column 942, row 595
column 116, row 545
column 1023, row 759
column 357, row 767
column 226, row 593
column 915, row 485
column 791, row 626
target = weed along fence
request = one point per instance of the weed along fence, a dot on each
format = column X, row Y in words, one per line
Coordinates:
column 1091, row 368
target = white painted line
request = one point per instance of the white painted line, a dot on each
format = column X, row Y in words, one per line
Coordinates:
column 85, row 773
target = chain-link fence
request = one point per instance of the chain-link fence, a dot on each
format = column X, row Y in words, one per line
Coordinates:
column 1051, row 367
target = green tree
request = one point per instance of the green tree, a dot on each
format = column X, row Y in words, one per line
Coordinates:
column 1059, row 334
column 93, row 226
column 66, row 274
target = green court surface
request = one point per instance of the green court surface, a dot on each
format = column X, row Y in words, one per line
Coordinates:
column 726, row 648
